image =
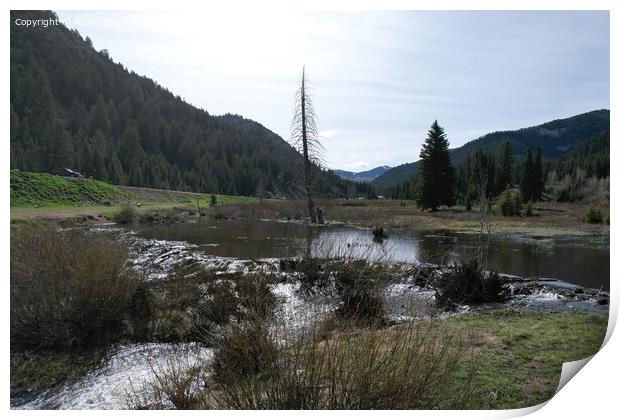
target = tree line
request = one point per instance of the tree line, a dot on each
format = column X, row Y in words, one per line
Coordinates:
column 439, row 183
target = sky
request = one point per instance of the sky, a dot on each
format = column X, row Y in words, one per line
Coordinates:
column 378, row 79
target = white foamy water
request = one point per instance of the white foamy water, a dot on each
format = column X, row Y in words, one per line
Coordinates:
column 126, row 369
column 297, row 312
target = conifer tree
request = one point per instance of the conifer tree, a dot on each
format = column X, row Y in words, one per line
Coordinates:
column 528, row 179
column 504, row 175
column 437, row 176
column 538, row 176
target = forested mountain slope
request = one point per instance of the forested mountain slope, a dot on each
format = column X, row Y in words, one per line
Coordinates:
column 74, row 106
column 554, row 138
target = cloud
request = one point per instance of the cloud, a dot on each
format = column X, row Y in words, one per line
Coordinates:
column 328, row 133
column 360, row 165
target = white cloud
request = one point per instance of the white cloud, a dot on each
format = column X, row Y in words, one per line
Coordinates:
column 328, row 133
column 358, row 166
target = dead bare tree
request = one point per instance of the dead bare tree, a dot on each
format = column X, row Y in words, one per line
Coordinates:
column 481, row 174
column 305, row 138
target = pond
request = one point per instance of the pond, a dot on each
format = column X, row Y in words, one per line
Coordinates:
column 583, row 261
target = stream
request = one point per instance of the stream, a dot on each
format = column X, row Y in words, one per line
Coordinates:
column 555, row 275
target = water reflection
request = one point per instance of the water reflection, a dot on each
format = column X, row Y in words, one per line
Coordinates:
column 574, row 260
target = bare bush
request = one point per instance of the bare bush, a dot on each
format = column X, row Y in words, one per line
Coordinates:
column 360, row 285
column 194, row 303
column 68, row 290
column 245, row 351
column 126, row 214
column 410, row 366
column 467, row 282
column 176, row 387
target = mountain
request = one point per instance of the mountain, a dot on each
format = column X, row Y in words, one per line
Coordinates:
column 74, row 107
column 555, row 138
column 364, row 176
column 592, row 156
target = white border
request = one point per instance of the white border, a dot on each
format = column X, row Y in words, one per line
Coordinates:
column 592, row 393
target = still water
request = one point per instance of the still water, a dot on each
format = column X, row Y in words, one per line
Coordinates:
column 577, row 260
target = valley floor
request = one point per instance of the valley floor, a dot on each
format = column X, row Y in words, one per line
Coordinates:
column 549, row 218
column 42, row 196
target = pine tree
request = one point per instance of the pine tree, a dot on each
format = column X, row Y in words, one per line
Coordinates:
column 528, row 179
column 99, row 119
column 538, row 176
column 504, row 174
column 437, row 174
column 482, row 170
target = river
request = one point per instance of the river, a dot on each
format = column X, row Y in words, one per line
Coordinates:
column 582, row 261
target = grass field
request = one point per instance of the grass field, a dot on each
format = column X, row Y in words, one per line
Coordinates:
column 519, row 357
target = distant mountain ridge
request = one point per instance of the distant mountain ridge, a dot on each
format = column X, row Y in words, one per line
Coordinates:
column 363, row 176
column 555, row 138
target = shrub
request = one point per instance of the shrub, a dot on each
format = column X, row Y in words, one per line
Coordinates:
column 465, row 283
column 360, row 285
column 254, row 297
column 314, row 274
column 68, row 290
column 189, row 303
column 378, row 234
column 194, row 302
column 126, row 214
column 528, row 210
column 175, row 387
column 246, row 350
column 35, row 372
column 593, row 216
column 160, row 216
column 511, row 203
column 140, row 312
column 407, row 367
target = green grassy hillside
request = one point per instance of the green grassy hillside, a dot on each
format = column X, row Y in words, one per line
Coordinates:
column 32, row 189
column 29, row 189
